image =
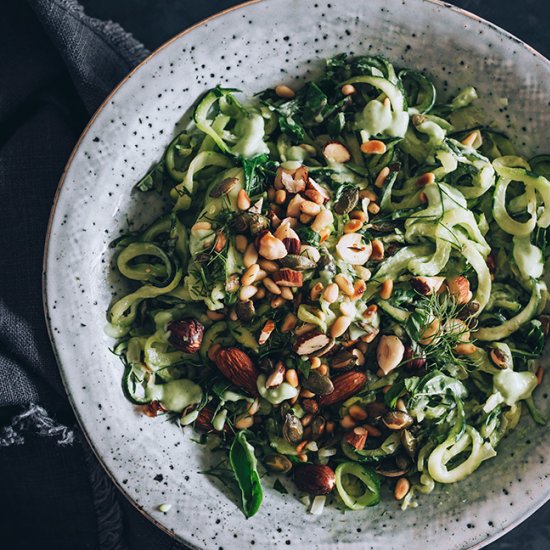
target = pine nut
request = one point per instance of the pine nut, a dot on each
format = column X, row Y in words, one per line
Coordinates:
column 386, row 289
column 358, row 215
column 309, row 149
column 373, row 208
column 268, row 265
column 289, row 323
column 363, row 272
column 348, row 422
column 302, row 329
column 316, row 291
column 213, row 351
column 368, row 194
column 201, row 226
column 286, row 293
column 241, row 242
column 359, row 289
column 471, row 138
column 306, row 420
column 381, row 177
column 465, row 349
column 357, row 413
column 243, row 202
column 260, row 295
column 215, row 315
column 306, row 394
column 280, row 196
column 284, row 91
column 377, row 250
column 302, row 457
column 425, row 179
column 233, row 315
column 340, row 326
column 373, row 147
column 261, row 275
column 254, row 407
column 400, row 405
column 353, row 226
column 249, row 276
column 374, row 431
column 310, row 208
column 244, row 422
column 221, row 241
column 330, row 293
column 315, row 363
column 323, row 370
column 291, row 376
column 402, row 487
column 247, row 292
column 272, row 286
column 277, row 302
column 250, row 256
column 348, row 89
column 322, row 219
column 344, row 284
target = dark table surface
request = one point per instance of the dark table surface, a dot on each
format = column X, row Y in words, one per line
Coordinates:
column 155, row 21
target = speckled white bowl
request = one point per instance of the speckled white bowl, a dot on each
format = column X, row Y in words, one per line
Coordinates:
column 253, row 47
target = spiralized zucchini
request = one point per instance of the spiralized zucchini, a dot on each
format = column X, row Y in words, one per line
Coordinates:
column 347, row 287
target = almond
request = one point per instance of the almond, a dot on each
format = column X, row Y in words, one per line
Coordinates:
column 267, row 329
column 316, row 193
column 310, row 342
column 314, row 479
column 293, row 207
column 238, row 368
column 459, row 288
column 427, row 285
column 357, row 438
column 276, row 378
column 335, row 151
column 293, row 181
column 345, row 386
column 288, row 277
column 270, row 247
column 203, row 422
column 293, row 246
column 389, row 353
column 186, row 335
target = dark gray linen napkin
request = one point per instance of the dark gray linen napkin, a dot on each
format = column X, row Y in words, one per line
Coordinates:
column 56, row 66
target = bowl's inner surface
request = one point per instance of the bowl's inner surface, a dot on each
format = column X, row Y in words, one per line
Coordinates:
column 252, row 48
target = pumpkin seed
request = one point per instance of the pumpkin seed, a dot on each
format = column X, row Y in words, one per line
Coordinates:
column 258, row 223
column 293, row 430
column 223, row 187
column 343, row 360
column 397, row 420
column 347, row 201
column 300, row 263
column 277, row 463
column 245, row 310
column 318, row 384
column 326, row 261
column 318, row 427
column 409, row 442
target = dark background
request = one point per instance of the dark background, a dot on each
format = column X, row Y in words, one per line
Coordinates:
column 153, row 22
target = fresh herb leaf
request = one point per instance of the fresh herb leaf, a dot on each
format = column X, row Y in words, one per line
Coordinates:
column 244, row 466
column 153, row 179
column 308, row 236
column 254, row 179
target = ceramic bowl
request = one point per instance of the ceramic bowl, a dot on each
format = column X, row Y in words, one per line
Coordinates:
column 252, row 47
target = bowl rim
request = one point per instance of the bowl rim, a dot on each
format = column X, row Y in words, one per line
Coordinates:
column 45, row 304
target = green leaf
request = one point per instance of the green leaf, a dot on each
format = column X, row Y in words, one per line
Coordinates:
column 153, row 179
column 308, row 236
column 253, row 178
column 244, row 465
